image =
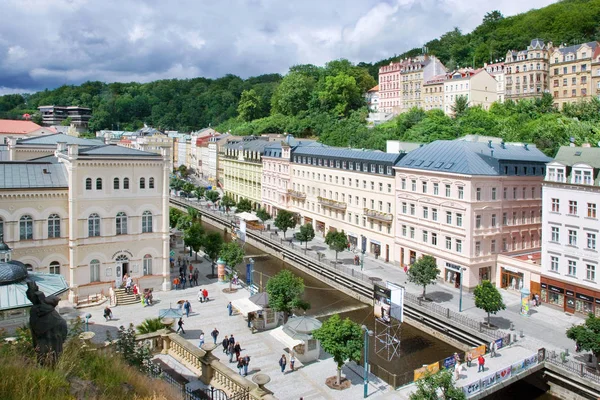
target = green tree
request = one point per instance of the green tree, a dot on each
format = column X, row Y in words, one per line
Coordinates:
column 337, row 241
column 244, row 205
column 150, row 325
column 135, row 354
column 430, row 387
column 285, row 293
column 284, row 220
column 194, row 214
column 193, row 237
column 306, row 234
column 212, row 196
column 213, row 243
column 460, row 106
column 183, row 171
column 293, row 94
column 184, row 222
column 199, row 192
column 174, row 215
column 176, row 183
column 488, row 298
column 188, row 188
column 232, row 254
column 227, row 202
column 66, row 122
column 340, row 94
column 249, row 107
column 342, row 339
column 423, row 272
column 263, row 215
column 587, row 336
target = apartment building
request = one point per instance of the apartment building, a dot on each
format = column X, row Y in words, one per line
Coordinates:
column 570, row 260
column 596, row 73
column 242, row 168
column 55, row 115
column 478, row 86
column 389, row 87
column 347, row 189
column 497, row 71
column 372, row 98
column 464, row 202
column 528, row 71
column 571, row 73
column 434, row 93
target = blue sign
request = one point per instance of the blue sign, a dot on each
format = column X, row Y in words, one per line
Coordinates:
column 449, row 362
column 499, row 343
column 249, row 273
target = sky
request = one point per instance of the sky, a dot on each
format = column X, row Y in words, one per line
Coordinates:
column 48, row 43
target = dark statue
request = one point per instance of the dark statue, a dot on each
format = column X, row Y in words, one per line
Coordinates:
column 48, row 328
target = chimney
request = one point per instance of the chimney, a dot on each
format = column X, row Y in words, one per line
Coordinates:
column 526, row 146
column 502, row 144
column 73, row 149
column 490, row 144
column 61, row 146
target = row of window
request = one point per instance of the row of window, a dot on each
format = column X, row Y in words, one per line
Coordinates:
column 591, row 210
column 565, row 70
column 590, row 269
column 380, row 186
column 480, row 194
column 572, row 235
column 54, row 268
column 347, row 165
column 117, row 183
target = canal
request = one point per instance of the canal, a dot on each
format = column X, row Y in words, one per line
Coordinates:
column 417, row 348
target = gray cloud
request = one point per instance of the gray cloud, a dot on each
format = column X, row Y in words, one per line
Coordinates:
column 47, row 43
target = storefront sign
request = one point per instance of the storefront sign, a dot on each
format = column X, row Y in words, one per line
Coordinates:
column 472, row 388
column 597, row 300
column 375, row 242
column 511, row 270
column 453, row 267
column 584, row 297
column 556, row 289
column 544, row 286
column 570, row 293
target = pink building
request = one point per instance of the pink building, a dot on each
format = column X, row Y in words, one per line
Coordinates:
column 466, row 202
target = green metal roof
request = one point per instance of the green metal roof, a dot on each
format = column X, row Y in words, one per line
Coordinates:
column 570, row 156
column 12, row 296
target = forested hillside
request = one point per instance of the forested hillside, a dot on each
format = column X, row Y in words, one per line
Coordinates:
column 327, row 102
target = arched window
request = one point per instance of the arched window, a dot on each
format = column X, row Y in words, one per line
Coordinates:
column 54, row 226
column 116, row 183
column 93, row 225
column 98, row 183
column 146, row 222
column 94, row 271
column 121, row 223
column 55, row 268
column 151, row 183
column 147, row 264
column 142, row 183
column 125, row 183
column 26, row 227
column 88, row 184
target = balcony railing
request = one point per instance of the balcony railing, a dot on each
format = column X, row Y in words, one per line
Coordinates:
column 378, row 215
column 297, row 195
column 338, row 205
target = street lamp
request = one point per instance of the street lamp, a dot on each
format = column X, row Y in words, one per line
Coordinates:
column 363, row 243
column 366, row 357
column 463, row 269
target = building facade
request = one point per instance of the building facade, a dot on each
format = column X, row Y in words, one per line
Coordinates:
column 413, row 75
column 570, row 260
column 21, row 129
column 527, row 71
column 372, row 98
column 434, row 93
column 477, row 86
column 497, row 71
column 465, row 202
column 55, row 115
column 89, row 212
column 596, row 73
column 350, row 190
column 571, row 73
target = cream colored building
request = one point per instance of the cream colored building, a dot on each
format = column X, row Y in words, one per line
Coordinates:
column 349, row 190
column 90, row 212
column 466, row 202
column 242, row 168
column 497, row 71
column 571, row 73
column 478, row 86
column 596, row 73
column 527, row 71
column 413, row 75
column 434, row 93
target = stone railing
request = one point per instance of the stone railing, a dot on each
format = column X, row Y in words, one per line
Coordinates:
column 296, row 194
column 378, row 215
column 183, row 351
column 338, row 205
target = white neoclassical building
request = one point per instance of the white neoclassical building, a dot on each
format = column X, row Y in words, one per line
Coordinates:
column 88, row 211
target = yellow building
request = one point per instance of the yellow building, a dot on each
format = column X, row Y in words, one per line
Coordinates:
column 571, row 73
column 421, row 69
column 527, row 71
column 242, row 168
column 433, row 97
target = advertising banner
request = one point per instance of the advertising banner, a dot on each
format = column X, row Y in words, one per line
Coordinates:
column 382, row 304
column 397, row 301
column 503, row 374
column 449, row 362
column 499, row 343
column 472, row 388
column 421, row 372
column 477, row 351
column 488, row 381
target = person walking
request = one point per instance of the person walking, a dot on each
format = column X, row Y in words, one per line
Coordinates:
column 493, row 348
column 180, row 324
column 215, row 335
column 225, row 344
column 230, row 308
column 196, row 274
column 231, row 351
column 107, row 313
column 237, row 349
column 282, row 362
column 469, row 358
column 183, row 280
column 246, row 360
column 240, row 365
column 481, row 362
column 292, row 361
column 191, row 279
column 128, row 284
column 187, row 307
column 201, row 339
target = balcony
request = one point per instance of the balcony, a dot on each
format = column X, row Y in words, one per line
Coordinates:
column 337, row 205
column 296, row 195
column 378, row 215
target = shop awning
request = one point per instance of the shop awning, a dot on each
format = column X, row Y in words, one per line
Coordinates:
column 245, row 306
column 284, row 338
column 246, row 216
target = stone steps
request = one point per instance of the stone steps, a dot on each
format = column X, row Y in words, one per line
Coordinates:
column 125, row 298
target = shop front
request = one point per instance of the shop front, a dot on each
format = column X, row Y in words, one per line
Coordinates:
column 321, row 227
column 308, row 220
column 375, row 248
column 353, row 240
column 570, row 298
column 511, row 279
column 452, row 274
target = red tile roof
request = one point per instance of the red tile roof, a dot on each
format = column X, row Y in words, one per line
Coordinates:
column 17, row 127
column 536, row 256
column 374, row 89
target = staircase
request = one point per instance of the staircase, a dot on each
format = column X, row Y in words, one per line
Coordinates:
column 124, row 298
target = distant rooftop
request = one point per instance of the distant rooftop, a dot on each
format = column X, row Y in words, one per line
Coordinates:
column 114, row 150
column 54, row 139
column 573, row 155
column 11, row 126
column 30, row 175
column 345, row 153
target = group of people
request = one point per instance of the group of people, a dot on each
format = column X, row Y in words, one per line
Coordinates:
column 283, row 362
column 203, row 295
column 535, row 299
column 493, row 348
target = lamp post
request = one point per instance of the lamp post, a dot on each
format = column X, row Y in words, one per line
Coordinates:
column 366, row 358
column 363, row 243
column 463, row 269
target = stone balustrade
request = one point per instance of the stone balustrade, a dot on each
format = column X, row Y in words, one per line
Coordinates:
column 338, row 205
column 186, row 353
column 378, row 215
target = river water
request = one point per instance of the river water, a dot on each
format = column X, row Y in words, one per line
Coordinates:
column 417, row 348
